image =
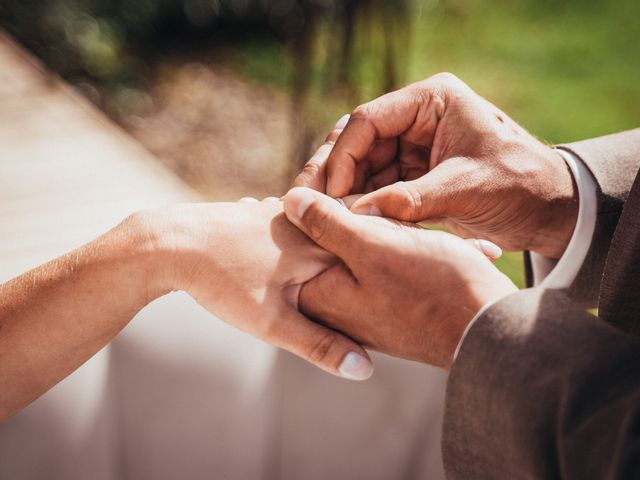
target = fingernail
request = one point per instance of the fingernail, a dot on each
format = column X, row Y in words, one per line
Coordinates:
column 340, row 124
column 367, row 210
column 355, row 367
column 490, row 249
column 303, row 198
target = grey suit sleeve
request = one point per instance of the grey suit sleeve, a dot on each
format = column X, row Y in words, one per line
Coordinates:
column 614, row 161
column 542, row 389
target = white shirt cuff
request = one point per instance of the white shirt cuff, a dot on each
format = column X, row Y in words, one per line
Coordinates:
column 551, row 273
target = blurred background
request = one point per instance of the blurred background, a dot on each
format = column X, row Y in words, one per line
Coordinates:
column 233, row 95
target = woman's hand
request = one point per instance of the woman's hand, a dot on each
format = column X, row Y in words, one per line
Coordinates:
column 245, row 262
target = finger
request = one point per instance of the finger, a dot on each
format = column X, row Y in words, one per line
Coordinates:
column 333, row 135
column 342, row 122
column 362, row 172
column 350, row 199
column 386, row 117
column 321, row 346
column 325, row 221
column 248, row 200
column 389, row 175
column 413, row 159
column 331, row 298
column 490, row 249
column 383, row 153
column 434, row 195
column 313, row 173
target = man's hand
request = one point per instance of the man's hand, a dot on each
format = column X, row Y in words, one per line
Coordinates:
column 400, row 289
column 245, row 262
column 456, row 160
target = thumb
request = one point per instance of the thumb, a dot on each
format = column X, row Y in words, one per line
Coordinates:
column 323, row 219
column 430, row 196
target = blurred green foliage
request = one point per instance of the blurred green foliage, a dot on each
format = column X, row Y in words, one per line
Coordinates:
column 564, row 69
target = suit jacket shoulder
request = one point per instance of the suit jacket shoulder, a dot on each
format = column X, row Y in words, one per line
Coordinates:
column 542, row 389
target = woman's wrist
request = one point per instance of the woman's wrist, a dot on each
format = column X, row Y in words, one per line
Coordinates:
column 145, row 243
column 166, row 246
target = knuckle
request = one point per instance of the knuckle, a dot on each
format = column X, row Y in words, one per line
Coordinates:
column 446, row 84
column 310, row 169
column 409, row 200
column 432, row 96
column 318, row 222
column 322, row 347
column 367, row 113
column 332, row 137
column 424, row 96
column 361, row 112
column 446, row 78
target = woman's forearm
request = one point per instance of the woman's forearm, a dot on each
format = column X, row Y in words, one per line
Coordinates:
column 242, row 262
column 55, row 317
